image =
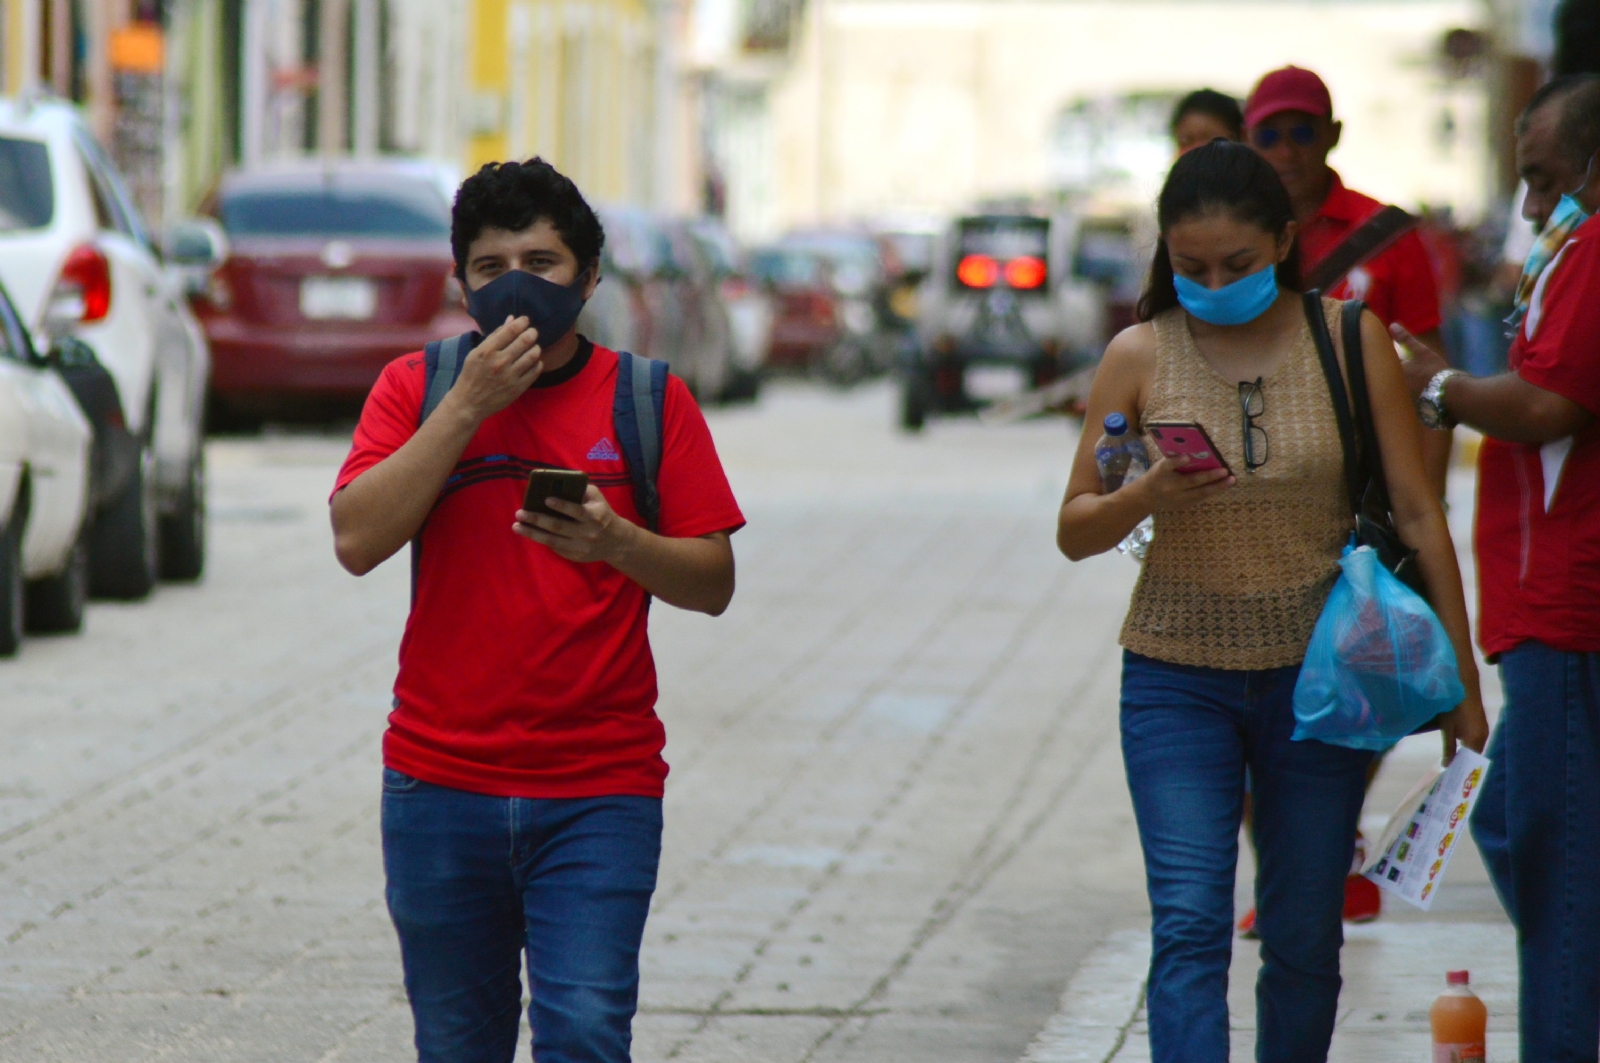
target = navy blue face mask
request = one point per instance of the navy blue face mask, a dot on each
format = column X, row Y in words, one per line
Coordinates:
column 550, row 308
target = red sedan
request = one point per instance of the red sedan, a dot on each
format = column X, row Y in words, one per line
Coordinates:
column 333, row 270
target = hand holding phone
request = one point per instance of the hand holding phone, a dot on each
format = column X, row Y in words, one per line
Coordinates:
column 1180, row 439
column 569, row 485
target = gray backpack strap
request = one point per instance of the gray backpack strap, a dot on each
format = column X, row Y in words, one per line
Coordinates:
column 442, row 362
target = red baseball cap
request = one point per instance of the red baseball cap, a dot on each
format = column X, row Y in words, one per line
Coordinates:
column 1289, row 89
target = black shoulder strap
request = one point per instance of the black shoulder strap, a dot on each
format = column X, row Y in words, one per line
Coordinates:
column 638, row 411
column 1353, row 473
column 1369, row 238
column 1376, row 490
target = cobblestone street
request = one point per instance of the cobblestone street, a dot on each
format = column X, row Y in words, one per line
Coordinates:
column 896, row 821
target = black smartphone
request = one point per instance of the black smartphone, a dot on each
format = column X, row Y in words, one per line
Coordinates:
column 568, row 485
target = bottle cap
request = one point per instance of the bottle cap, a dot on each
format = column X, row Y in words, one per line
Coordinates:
column 1116, row 424
column 1456, row 977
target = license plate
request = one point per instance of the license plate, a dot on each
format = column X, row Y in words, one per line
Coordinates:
column 350, row 298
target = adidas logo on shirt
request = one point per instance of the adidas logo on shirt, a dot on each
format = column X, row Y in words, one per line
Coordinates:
column 604, row 451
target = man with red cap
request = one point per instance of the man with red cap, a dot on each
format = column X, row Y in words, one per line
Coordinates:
column 1351, row 247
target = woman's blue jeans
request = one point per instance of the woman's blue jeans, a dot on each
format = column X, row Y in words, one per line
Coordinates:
column 473, row 880
column 1537, row 824
column 1188, row 734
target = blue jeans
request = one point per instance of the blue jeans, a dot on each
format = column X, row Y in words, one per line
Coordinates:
column 1188, row 734
column 1537, row 824
column 473, row 880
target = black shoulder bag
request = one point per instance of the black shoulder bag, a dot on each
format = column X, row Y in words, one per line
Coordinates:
column 1363, row 458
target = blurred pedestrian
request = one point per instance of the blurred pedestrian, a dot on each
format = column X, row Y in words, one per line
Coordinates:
column 1203, row 116
column 1350, row 246
column 1537, row 822
column 522, row 772
column 1236, row 577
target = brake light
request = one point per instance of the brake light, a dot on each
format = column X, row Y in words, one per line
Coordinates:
column 978, row 271
column 1025, row 273
column 83, row 291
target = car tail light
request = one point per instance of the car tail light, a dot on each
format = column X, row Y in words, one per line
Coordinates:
column 83, row 291
column 978, row 271
column 1026, row 273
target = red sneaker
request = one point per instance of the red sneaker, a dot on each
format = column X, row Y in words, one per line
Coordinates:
column 1247, row 925
column 1362, row 900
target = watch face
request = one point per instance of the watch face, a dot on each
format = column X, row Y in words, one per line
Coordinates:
column 1429, row 413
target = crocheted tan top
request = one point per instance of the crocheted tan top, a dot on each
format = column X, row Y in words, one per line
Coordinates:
column 1238, row 582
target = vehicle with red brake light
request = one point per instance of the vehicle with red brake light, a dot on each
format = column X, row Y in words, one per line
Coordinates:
column 328, row 271
column 79, row 263
column 1001, row 291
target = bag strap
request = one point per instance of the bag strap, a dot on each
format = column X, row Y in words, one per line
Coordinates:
column 1375, row 493
column 441, row 365
column 1353, row 471
column 638, row 413
column 442, row 361
column 1369, row 239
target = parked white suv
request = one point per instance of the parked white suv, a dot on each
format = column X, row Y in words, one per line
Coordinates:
column 45, row 495
column 77, row 259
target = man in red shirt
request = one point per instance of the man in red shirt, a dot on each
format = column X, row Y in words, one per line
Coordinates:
column 1537, row 822
column 522, row 766
column 1289, row 117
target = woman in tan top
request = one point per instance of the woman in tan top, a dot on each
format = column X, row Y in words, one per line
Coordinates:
column 1238, row 572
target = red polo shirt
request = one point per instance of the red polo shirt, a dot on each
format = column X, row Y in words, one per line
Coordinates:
column 1538, row 523
column 1398, row 283
column 523, row 674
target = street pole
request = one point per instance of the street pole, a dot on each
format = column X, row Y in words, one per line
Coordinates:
column 333, row 67
column 364, row 108
column 253, row 83
column 665, row 171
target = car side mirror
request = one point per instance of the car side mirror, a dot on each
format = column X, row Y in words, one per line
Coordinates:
column 195, row 242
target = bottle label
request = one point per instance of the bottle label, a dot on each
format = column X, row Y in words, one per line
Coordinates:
column 1459, row 1053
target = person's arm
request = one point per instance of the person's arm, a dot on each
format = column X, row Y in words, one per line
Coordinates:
column 1504, row 406
column 1436, row 443
column 382, row 509
column 1419, row 518
column 694, row 574
column 1092, row 522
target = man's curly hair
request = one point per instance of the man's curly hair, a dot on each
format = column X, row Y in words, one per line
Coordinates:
column 515, row 195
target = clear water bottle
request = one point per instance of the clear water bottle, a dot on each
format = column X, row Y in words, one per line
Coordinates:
column 1121, row 458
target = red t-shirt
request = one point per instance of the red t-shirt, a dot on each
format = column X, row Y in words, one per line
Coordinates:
column 1398, row 283
column 1538, row 524
column 523, row 674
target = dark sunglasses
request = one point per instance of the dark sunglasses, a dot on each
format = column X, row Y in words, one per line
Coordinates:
column 1303, row 135
column 1253, row 403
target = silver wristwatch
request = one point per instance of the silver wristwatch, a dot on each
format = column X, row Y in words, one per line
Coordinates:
column 1430, row 404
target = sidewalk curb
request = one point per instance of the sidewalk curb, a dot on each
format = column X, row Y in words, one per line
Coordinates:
column 1100, row 1004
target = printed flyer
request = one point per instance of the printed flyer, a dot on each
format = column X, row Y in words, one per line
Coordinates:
column 1416, row 845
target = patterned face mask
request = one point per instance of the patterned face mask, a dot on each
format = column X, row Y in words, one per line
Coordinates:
column 1564, row 221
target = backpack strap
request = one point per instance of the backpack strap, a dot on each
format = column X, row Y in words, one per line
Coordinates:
column 1369, row 240
column 638, row 413
column 441, row 364
column 442, row 361
column 1354, row 474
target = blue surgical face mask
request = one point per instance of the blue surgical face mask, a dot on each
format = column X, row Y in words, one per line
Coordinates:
column 1233, row 304
column 550, row 308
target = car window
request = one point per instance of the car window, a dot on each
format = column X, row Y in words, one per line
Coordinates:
column 27, row 192
column 112, row 208
column 784, row 266
column 336, row 211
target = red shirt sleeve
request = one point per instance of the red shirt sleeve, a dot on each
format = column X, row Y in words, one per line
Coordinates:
column 388, row 418
column 1564, row 355
column 1404, row 288
column 695, row 497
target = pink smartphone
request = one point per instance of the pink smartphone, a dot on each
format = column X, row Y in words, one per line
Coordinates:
column 1179, row 438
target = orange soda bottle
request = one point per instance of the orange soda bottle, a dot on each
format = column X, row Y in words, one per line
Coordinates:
column 1460, row 1023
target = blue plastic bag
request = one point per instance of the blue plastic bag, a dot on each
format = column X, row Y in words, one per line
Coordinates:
column 1379, row 665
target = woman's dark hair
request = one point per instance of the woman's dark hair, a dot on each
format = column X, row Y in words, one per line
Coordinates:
column 1219, row 176
column 1213, row 104
column 514, row 195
